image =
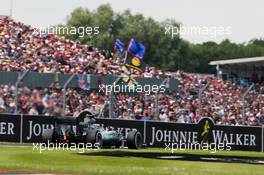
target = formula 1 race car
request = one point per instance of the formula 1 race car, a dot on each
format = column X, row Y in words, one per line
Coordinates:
column 84, row 129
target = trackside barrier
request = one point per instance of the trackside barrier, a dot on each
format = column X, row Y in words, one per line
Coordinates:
column 44, row 80
column 28, row 129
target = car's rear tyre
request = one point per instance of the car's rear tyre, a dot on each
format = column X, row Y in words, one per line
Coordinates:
column 94, row 137
column 134, row 140
column 47, row 135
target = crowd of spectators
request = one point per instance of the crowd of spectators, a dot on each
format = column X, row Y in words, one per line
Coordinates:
column 23, row 48
column 26, row 48
column 221, row 101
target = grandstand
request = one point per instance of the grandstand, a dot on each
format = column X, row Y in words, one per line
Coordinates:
column 24, row 50
column 245, row 69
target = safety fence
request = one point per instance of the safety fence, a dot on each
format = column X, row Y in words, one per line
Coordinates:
column 43, row 80
column 28, row 129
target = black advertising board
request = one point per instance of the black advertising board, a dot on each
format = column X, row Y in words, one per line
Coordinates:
column 25, row 128
column 33, row 127
column 10, row 128
column 161, row 134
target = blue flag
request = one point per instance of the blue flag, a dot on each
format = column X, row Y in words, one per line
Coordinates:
column 136, row 48
column 119, row 46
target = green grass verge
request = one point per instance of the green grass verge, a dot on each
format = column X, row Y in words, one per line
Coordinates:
column 24, row 159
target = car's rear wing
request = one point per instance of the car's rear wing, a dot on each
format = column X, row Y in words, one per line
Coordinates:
column 70, row 120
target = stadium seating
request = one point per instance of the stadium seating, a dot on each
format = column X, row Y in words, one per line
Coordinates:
column 23, row 48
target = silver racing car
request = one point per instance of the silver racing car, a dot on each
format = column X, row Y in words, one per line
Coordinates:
column 83, row 129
